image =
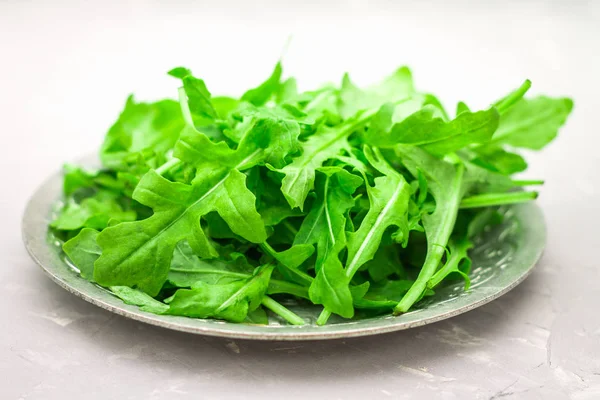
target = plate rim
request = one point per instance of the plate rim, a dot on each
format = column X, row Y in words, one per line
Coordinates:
column 36, row 218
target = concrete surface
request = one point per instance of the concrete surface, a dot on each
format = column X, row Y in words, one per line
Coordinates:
column 65, row 69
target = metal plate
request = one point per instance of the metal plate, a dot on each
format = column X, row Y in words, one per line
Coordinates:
column 502, row 258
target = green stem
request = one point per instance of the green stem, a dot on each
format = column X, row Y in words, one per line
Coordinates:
column 277, row 286
column 300, row 274
column 436, row 245
column 283, row 312
column 290, row 227
column 497, row 199
column 323, row 317
column 503, row 105
column 168, row 165
column 527, row 183
column 185, row 108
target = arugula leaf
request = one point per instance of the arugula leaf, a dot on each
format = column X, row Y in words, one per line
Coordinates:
column 230, row 301
column 263, row 93
column 83, row 251
column 142, row 128
column 397, row 86
column 327, row 143
column 93, row 212
column 331, row 287
column 76, row 178
column 199, row 97
column 140, row 299
column 257, row 317
column 457, row 263
column 445, row 183
column 139, row 253
column 497, row 159
column 532, row 123
column 461, row 108
column 389, row 207
column 325, row 223
column 433, row 134
column 385, row 262
column 188, row 270
column 266, row 140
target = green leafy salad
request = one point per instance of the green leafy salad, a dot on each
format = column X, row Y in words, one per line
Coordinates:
column 357, row 201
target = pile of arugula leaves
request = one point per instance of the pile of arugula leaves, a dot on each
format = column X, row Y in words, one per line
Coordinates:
column 346, row 198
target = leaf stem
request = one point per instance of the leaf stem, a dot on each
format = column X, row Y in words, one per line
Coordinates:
column 168, row 165
column 497, row 199
column 527, row 182
column 290, row 227
column 278, row 286
column 503, row 105
column 436, row 248
column 300, row 274
column 323, row 317
column 283, row 312
column 185, row 108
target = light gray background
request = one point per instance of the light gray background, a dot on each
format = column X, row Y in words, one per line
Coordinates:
column 65, row 69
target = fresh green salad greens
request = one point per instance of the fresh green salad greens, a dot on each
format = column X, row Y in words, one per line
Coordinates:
column 346, row 198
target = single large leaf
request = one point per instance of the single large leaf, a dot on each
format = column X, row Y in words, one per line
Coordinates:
column 331, row 287
column 325, row 225
column 352, row 99
column 188, row 271
column 385, row 262
column 496, row 159
column 83, row 251
column 445, row 182
column 230, row 301
column 138, row 254
column 266, row 90
column 138, row 298
column 532, row 123
column 431, row 132
column 199, row 98
column 389, row 207
column 204, row 108
column 142, row 128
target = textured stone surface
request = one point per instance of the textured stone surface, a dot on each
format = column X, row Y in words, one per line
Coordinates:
column 65, row 70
